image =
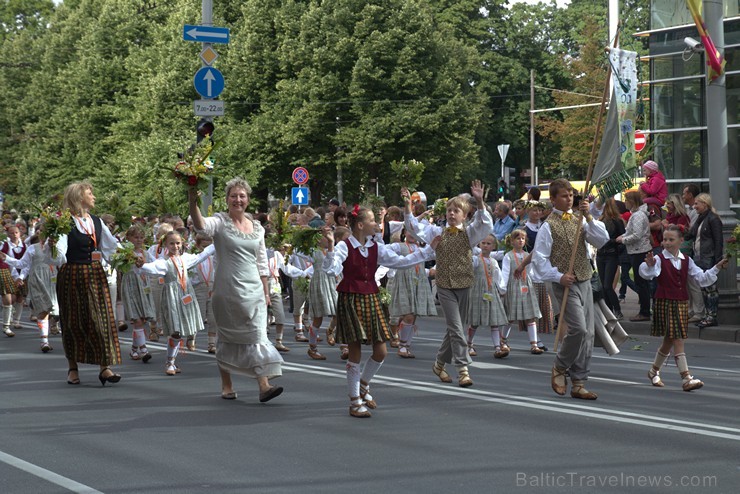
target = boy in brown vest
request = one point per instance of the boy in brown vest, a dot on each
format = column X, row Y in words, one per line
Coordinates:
column 454, row 274
column 550, row 261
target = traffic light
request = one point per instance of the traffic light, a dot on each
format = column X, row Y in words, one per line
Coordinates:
column 204, row 129
column 502, row 190
column 511, row 179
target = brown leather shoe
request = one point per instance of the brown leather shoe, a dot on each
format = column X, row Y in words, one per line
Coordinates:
column 579, row 391
column 559, row 381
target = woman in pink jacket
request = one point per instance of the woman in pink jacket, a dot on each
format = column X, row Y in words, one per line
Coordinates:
column 654, row 184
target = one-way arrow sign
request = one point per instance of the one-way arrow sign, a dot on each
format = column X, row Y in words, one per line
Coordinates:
column 205, row 34
column 209, row 82
column 300, row 196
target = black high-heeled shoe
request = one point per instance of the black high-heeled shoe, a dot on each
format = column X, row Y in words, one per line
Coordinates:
column 77, row 379
column 113, row 378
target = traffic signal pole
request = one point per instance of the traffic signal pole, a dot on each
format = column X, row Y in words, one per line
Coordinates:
column 207, row 20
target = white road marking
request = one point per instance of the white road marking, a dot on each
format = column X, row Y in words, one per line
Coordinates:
column 47, row 475
column 566, row 407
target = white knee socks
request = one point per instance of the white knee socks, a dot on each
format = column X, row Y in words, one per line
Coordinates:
column 660, row 359
column 682, row 364
column 313, row 335
column 532, row 332
column 43, row 325
column 496, row 336
column 353, row 379
column 7, row 314
column 405, row 333
column 139, row 340
column 17, row 312
column 369, row 369
column 471, row 334
column 173, row 346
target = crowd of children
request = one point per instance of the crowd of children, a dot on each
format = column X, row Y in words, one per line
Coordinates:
column 477, row 279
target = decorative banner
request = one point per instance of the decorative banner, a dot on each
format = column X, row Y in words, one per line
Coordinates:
column 715, row 61
column 624, row 75
column 617, row 152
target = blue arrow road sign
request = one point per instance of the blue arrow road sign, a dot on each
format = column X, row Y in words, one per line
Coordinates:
column 205, row 34
column 300, row 196
column 209, row 82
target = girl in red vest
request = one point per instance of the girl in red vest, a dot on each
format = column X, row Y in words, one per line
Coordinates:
column 360, row 318
column 671, row 309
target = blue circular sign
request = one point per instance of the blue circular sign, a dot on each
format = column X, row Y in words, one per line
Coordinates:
column 209, row 82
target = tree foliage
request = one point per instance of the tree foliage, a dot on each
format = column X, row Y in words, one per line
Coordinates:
column 326, row 84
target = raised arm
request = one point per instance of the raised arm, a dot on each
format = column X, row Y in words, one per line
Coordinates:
column 195, row 214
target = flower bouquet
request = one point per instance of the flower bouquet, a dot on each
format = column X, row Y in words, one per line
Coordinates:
column 56, row 223
column 408, row 173
column 732, row 247
column 195, row 164
column 439, row 209
column 124, row 258
column 384, row 295
column 306, row 240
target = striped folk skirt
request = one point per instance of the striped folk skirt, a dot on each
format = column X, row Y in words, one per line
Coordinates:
column 361, row 318
column 670, row 318
column 88, row 325
column 7, row 285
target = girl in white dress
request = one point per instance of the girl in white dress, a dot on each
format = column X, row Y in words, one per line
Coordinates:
column 138, row 305
column 322, row 299
column 38, row 272
column 521, row 300
column 156, row 282
column 180, row 312
column 411, row 296
column 202, row 277
column 486, row 307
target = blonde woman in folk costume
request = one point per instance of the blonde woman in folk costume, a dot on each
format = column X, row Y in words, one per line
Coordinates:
column 89, row 332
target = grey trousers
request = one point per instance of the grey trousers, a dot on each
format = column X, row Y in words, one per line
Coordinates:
column 577, row 346
column 696, row 299
column 455, row 305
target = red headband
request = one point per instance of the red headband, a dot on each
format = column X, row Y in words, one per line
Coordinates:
column 355, row 210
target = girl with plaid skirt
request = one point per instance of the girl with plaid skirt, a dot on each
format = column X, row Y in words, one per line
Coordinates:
column 7, row 289
column 15, row 247
column 671, row 309
column 521, row 300
column 360, row 319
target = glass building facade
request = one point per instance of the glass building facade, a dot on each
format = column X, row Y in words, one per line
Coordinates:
column 676, row 91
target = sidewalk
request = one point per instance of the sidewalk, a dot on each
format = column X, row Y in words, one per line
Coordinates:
column 630, row 308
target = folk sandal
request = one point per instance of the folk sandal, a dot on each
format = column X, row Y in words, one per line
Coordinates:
column 463, row 378
column 366, row 396
column 358, row 409
column 654, row 376
column 441, row 373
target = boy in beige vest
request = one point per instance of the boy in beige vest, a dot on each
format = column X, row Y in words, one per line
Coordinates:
column 454, row 276
column 550, row 261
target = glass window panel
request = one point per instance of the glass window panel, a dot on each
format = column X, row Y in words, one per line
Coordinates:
column 676, row 66
column 681, row 154
column 677, row 104
column 733, row 98
column 668, row 13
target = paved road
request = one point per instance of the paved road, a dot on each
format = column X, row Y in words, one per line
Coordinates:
column 510, row 432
